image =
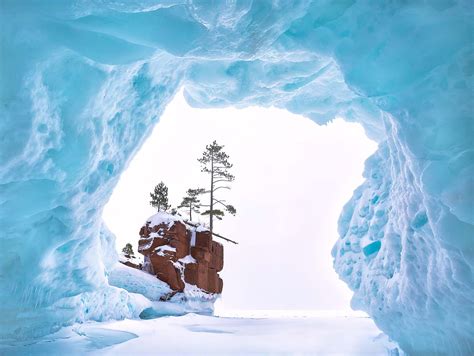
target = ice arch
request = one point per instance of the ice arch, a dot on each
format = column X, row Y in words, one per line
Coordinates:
column 83, row 82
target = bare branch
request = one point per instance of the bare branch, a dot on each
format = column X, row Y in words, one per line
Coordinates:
column 224, row 187
column 220, row 201
column 221, row 180
column 224, row 205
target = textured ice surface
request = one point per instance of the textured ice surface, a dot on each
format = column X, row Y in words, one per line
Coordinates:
column 84, row 81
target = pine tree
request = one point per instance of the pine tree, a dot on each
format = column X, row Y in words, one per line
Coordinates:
column 214, row 161
column 191, row 201
column 159, row 197
column 128, row 250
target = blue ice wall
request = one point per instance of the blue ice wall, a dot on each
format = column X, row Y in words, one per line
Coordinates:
column 84, row 81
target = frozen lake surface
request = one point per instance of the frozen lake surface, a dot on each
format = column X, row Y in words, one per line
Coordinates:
column 199, row 334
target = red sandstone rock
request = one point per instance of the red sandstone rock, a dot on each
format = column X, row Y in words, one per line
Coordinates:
column 165, row 240
column 201, row 254
column 221, row 285
column 190, row 273
column 203, row 239
column 197, row 274
column 217, row 256
column 182, row 248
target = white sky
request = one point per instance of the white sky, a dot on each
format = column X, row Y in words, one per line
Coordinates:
column 292, row 179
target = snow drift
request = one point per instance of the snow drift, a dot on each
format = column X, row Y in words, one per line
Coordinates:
column 84, row 81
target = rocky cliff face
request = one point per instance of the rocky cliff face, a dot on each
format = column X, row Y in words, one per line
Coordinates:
column 181, row 255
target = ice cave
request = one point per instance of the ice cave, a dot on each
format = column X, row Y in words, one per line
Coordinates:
column 84, row 81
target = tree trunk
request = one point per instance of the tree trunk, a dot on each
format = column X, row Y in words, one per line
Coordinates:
column 190, row 212
column 212, row 194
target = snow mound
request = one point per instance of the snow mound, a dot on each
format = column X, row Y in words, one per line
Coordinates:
column 83, row 83
column 136, row 281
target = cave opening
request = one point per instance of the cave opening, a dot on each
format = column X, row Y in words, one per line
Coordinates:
column 292, row 179
column 84, row 82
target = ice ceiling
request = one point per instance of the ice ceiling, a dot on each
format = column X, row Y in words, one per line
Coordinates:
column 84, row 81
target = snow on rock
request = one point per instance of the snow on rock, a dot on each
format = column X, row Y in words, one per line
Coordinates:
column 163, row 218
column 83, row 83
column 187, row 259
column 161, row 250
column 131, row 261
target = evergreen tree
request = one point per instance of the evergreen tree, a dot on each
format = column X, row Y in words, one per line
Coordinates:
column 191, row 201
column 214, row 161
column 128, row 250
column 159, row 197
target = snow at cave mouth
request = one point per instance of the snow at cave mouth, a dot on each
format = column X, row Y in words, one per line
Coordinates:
column 277, row 224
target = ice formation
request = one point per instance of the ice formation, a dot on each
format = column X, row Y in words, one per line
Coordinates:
column 84, row 81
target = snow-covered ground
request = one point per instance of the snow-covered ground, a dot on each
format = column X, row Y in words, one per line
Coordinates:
column 199, row 334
